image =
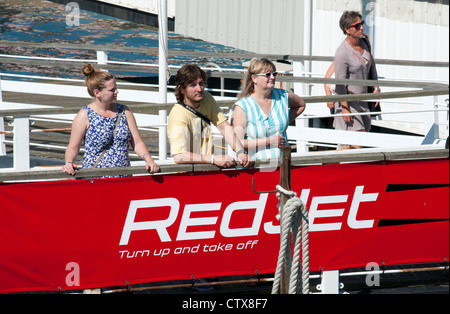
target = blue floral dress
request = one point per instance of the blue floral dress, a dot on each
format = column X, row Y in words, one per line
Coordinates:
column 98, row 135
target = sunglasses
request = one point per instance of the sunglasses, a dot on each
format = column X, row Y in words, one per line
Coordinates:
column 358, row 26
column 268, row 74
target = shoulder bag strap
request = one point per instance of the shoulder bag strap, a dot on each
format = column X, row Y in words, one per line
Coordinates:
column 111, row 139
column 364, row 39
column 198, row 114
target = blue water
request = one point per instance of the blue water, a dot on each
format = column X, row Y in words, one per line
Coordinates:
column 49, row 25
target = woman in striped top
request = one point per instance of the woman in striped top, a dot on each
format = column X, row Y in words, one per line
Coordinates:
column 263, row 113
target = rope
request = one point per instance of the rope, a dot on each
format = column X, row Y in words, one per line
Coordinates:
column 295, row 217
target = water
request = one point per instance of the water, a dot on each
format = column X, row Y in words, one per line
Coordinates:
column 44, row 21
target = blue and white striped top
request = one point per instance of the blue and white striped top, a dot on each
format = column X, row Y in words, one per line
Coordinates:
column 261, row 126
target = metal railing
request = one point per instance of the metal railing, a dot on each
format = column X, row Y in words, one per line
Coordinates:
column 302, row 134
column 319, row 158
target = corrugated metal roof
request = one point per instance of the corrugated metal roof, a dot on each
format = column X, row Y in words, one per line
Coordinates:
column 261, row 26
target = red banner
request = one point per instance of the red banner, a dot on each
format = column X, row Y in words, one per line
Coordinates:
column 106, row 232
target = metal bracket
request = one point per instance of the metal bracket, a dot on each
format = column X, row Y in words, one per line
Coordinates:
column 260, row 192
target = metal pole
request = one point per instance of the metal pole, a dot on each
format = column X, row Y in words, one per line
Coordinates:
column 21, row 143
column 2, row 126
column 308, row 40
column 369, row 13
column 285, row 182
column 163, row 135
column 163, row 55
column 330, row 282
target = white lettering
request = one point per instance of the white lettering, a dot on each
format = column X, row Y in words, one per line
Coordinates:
column 358, row 198
column 208, row 223
column 193, row 304
column 269, row 228
column 186, row 221
column 315, row 213
column 260, row 205
column 159, row 225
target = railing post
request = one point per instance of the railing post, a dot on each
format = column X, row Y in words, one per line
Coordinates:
column 102, row 58
column 163, row 50
column 21, row 143
column 222, row 80
column 448, row 115
column 330, row 282
column 2, row 126
column 163, row 135
column 2, row 137
column 299, row 71
column 300, row 89
column 302, row 146
column 285, row 183
column 431, row 120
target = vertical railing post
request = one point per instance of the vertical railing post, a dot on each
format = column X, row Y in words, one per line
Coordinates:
column 448, row 116
column 21, row 143
column 299, row 71
column 2, row 137
column 431, row 120
column 330, row 282
column 2, row 126
column 222, row 80
column 300, row 89
column 162, row 135
column 285, row 183
column 102, row 58
column 163, row 50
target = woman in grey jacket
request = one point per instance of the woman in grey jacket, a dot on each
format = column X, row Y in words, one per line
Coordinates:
column 353, row 60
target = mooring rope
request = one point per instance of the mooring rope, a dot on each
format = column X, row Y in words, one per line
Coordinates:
column 295, row 217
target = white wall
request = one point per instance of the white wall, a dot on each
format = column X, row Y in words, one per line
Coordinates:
column 261, row 26
column 401, row 31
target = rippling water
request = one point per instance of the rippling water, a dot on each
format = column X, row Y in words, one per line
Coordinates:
column 44, row 21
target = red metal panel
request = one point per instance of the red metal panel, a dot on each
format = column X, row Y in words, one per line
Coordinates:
column 105, row 232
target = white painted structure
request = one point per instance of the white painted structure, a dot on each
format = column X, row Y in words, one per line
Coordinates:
column 149, row 6
column 399, row 29
column 261, row 26
column 280, row 27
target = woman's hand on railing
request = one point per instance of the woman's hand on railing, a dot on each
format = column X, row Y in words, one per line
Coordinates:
column 69, row 168
column 152, row 167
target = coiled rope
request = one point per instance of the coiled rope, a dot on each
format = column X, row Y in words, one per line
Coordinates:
column 295, row 218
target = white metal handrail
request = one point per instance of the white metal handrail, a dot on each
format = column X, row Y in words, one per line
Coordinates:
column 430, row 111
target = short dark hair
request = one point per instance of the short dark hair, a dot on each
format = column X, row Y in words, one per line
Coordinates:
column 186, row 75
column 347, row 19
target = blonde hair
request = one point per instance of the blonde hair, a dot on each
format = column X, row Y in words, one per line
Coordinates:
column 256, row 66
column 95, row 78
